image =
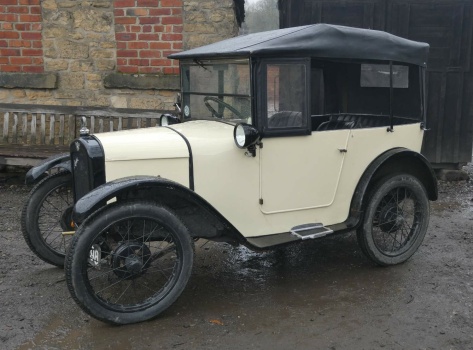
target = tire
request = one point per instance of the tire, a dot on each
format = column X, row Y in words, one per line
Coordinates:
column 129, row 262
column 395, row 221
column 46, row 214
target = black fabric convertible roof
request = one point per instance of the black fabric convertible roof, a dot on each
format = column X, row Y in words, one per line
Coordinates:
column 317, row 40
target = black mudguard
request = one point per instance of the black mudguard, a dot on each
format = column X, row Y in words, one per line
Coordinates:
column 57, row 161
column 387, row 163
column 197, row 214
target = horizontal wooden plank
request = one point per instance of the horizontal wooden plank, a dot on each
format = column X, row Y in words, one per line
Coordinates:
column 88, row 111
column 36, row 151
column 19, row 161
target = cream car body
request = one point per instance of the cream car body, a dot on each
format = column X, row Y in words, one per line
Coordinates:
column 259, row 195
column 323, row 120
column 284, row 136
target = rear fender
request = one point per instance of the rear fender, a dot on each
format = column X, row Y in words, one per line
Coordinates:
column 62, row 161
column 397, row 160
column 202, row 219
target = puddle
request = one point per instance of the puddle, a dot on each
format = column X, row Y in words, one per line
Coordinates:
column 243, row 291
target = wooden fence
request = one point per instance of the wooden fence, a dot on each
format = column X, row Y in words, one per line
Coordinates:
column 29, row 133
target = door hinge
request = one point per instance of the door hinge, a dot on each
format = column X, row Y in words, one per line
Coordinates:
column 260, row 145
column 261, row 201
column 342, row 150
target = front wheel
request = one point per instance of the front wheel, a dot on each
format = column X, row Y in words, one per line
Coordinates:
column 129, row 262
column 396, row 220
column 46, row 215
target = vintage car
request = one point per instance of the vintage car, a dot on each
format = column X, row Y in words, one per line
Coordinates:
column 284, row 136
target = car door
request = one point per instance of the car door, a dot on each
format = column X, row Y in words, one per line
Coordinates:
column 299, row 169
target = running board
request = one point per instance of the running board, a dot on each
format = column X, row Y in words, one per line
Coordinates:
column 310, row 231
column 297, row 233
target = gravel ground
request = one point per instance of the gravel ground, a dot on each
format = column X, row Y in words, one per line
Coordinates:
column 322, row 294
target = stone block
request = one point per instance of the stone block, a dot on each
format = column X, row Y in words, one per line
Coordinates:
column 38, row 94
column 58, row 18
column 71, row 49
column 4, row 94
column 93, row 77
column 194, row 17
column 17, row 93
column 53, row 32
column 71, row 81
column 201, row 28
column 108, row 45
column 68, row 4
column 217, row 16
column 81, row 66
column 94, row 85
column 102, row 54
column 98, row 4
column 74, row 94
column 93, row 20
column 56, row 65
column 101, row 101
column 146, row 103
column 105, row 65
column 142, row 82
column 119, row 102
column 49, row 5
column 26, row 80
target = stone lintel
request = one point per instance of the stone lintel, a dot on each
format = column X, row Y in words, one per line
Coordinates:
column 28, row 80
column 142, row 81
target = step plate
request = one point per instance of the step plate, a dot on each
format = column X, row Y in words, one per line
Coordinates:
column 310, row 231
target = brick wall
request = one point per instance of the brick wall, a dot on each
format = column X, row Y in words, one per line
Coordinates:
column 146, row 32
column 20, row 36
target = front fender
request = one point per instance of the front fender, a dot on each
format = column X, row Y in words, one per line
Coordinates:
column 57, row 161
column 196, row 213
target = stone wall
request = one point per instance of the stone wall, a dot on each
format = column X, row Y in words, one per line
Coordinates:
column 208, row 21
column 82, row 50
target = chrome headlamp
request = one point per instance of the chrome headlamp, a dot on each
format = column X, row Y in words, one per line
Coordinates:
column 246, row 136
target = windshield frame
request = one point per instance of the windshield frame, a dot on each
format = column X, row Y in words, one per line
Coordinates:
column 184, row 63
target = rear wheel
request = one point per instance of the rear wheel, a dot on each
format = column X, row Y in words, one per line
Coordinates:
column 396, row 220
column 46, row 215
column 129, row 262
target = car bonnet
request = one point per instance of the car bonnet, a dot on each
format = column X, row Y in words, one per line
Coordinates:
column 140, row 144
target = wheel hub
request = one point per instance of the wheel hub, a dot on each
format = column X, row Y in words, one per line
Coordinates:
column 390, row 218
column 66, row 220
column 130, row 260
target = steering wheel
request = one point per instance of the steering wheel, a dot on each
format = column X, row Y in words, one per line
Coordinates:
column 224, row 104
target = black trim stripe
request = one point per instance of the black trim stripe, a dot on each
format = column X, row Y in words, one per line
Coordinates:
column 191, row 159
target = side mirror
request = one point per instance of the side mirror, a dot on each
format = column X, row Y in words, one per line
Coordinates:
column 246, row 136
column 168, row 119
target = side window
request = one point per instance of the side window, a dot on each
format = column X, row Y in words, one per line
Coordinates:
column 286, row 104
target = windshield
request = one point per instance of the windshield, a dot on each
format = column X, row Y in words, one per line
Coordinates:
column 216, row 89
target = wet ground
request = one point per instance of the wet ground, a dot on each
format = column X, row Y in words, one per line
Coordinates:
column 323, row 294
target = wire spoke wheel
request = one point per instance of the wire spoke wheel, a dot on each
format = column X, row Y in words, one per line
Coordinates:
column 396, row 220
column 129, row 262
column 128, row 272
column 46, row 215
